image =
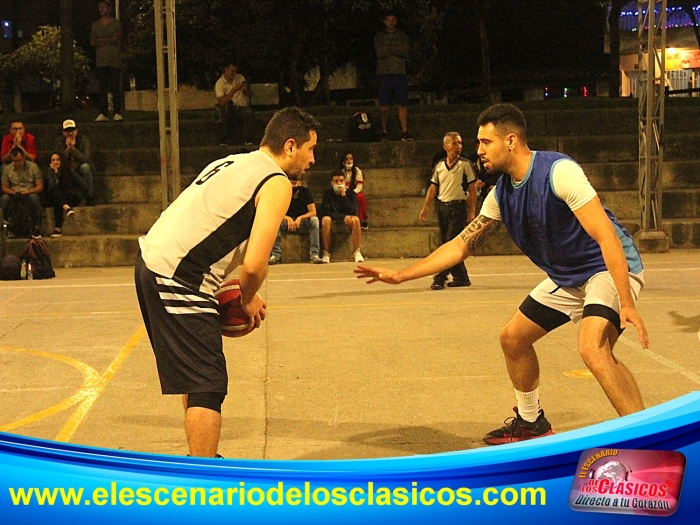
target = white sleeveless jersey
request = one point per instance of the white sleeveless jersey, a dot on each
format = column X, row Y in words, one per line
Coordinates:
column 202, row 236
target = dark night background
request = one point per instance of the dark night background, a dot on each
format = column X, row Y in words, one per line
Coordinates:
column 531, row 41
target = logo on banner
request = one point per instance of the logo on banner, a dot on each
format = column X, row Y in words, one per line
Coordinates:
column 643, row 482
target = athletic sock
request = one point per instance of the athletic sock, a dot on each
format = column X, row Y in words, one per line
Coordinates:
column 528, row 404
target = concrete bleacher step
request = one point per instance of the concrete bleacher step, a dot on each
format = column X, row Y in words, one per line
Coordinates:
column 124, row 218
column 140, row 129
column 77, row 251
column 602, row 138
column 682, row 233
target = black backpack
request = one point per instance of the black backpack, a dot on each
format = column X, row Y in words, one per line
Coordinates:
column 361, row 128
column 36, row 253
column 10, row 268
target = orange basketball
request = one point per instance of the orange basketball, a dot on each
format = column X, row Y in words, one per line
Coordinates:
column 234, row 321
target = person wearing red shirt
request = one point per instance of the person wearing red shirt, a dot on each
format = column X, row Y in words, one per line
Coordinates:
column 18, row 137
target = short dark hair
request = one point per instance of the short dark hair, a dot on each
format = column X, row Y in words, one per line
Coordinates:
column 337, row 173
column 505, row 116
column 16, row 151
column 289, row 123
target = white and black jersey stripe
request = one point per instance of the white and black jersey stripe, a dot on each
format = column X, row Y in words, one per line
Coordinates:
column 178, row 299
column 202, row 236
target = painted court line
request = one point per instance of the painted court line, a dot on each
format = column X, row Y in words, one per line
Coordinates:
column 298, row 279
column 90, row 377
column 92, row 392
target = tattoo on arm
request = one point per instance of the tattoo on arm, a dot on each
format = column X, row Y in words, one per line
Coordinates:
column 474, row 234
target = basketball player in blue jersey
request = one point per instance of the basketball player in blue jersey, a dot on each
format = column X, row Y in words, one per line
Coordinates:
column 594, row 270
column 227, row 218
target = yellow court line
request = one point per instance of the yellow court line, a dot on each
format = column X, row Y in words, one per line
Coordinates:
column 90, row 374
column 92, row 392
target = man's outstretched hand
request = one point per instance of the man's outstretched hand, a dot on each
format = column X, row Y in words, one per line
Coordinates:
column 377, row 274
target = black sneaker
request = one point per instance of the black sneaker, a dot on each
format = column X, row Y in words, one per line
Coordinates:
column 406, row 136
column 437, row 285
column 384, row 136
column 458, row 284
column 36, row 234
column 517, row 429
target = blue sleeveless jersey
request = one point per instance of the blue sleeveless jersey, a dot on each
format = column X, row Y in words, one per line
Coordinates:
column 546, row 230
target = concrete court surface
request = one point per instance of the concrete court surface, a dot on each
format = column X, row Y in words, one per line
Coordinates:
column 340, row 369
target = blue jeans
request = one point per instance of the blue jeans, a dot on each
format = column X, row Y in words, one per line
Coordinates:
column 85, row 171
column 307, row 225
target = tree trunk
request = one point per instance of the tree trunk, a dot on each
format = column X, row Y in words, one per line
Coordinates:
column 294, row 79
column 322, row 90
column 16, row 97
column 67, row 57
column 614, row 64
column 482, row 8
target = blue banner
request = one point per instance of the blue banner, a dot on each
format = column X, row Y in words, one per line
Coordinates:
column 45, row 481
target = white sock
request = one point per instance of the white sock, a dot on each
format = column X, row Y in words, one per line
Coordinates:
column 528, row 404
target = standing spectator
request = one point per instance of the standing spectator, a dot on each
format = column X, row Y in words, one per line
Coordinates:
column 391, row 47
column 451, row 176
column 354, row 181
column 76, row 149
column 233, row 103
column 106, row 37
column 23, row 179
column 339, row 206
column 63, row 186
column 300, row 217
column 18, row 138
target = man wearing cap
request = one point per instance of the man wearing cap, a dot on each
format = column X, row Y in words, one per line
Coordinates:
column 77, row 148
column 105, row 37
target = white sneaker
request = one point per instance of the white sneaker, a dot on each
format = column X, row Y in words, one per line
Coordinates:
column 326, row 258
column 101, row 118
column 117, row 117
column 358, row 257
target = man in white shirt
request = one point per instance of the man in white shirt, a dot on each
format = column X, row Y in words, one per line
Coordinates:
column 233, row 103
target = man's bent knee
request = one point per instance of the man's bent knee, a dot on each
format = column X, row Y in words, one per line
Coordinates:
column 210, row 400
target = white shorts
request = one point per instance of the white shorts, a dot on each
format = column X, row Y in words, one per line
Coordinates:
column 597, row 297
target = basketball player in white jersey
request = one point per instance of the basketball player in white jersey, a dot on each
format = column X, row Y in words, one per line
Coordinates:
column 227, row 218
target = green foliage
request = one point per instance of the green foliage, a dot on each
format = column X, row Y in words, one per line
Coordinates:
column 41, row 56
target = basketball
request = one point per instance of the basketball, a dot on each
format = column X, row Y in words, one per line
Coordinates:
column 234, row 321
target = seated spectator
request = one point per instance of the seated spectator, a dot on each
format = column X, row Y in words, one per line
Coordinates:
column 233, row 103
column 340, row 207
column 355, row 182
column 63, row 188
column 76, row 149
column 301, row 217
column 22, row 179
column 19, row 138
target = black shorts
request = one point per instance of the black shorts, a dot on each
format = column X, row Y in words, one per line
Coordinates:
column 185, row 333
